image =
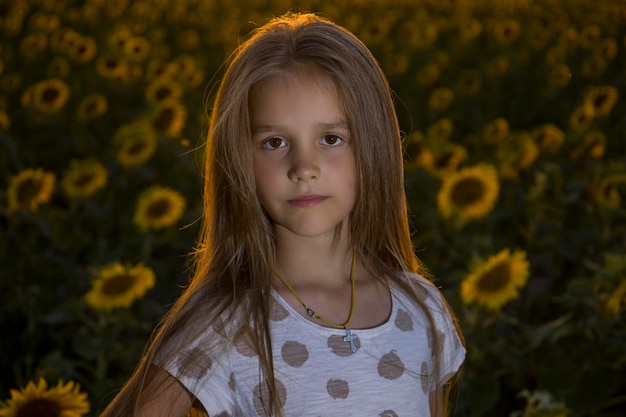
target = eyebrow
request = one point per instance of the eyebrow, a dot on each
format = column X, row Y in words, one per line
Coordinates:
column 325, row 126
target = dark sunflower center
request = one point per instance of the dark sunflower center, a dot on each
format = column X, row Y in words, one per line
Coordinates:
column 50, row 95
column 494, row 280
column 91, row 107
column 118, row 284
column 599, row 101
column 158, row 209
column 136, row 148
column 467, row 192
column 28, row 190
column 84, row 180
column 444, row 160
column 163, row 93
column 164, row 119
column 40, row 407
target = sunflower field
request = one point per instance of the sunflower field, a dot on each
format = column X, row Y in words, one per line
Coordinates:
column 514, row 122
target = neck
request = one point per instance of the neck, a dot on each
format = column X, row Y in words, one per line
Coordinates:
column 317, row 262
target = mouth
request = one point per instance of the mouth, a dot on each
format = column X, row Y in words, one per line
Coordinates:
column 308, row 200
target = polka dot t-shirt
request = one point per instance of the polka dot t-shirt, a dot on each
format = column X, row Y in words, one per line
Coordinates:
column 318, row 374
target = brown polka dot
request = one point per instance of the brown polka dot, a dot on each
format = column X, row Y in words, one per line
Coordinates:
column 294, row 354
column 231, row 382
column 340, row 347
column 404, row 321
column 388, row 413
column 390, row 366
column 193, row 363
column 440, row 338
column 277, row 311
column 244, row 347
column 338, row 388
column 262, row 397
column 425, row 376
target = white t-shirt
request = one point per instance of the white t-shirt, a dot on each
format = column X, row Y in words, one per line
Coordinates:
column 318, row 374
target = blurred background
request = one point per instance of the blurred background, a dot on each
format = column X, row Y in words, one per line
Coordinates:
column 513, row 115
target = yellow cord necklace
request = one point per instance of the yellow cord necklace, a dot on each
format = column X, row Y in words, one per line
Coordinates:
column 349, row 337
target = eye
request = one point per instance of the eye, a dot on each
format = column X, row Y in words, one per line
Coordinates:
column 274, row 143
column 332, row 140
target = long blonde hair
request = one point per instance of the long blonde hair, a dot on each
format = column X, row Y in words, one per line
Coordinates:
column 235, row 257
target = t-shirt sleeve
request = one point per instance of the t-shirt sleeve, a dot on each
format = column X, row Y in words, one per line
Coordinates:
column 452, row 349
column 208, row 379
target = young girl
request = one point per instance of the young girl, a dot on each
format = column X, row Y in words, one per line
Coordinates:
column 306, row 299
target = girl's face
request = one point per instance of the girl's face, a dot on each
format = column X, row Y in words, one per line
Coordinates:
column 303, row 162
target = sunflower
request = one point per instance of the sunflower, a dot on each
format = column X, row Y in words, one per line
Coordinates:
column 447, row 159
column 440, row 131
column 602, row 99
column 118, row 286
column 469, row 29
column 188, row 39
column 568, row 38
column 37, row 400
column 84, row 178
column 548, row 137
column 33, row 44
column 469, row 193
column 83, row 49
column 192, row 79
column 59, row 67
column 50, row 95
column 592, row 146
column 497, row 66
column 556, row 56
column 506, row 31
column 517, row 153
column 29, row 189
column 163, row 89
column 418, row 155
column 593, row 67
column 440, row 98
column 169, row 118
column 158, row 207
column 92, row 106
column 496, row 280
column 118, row 38
column 607, row 48
column 157, row 68
column 589, row 36
column 581, row 118
column 136, row 49
column 111, row 67
column 470, row 82
column 606, row 192
column 11, row 82
column 428, row 75
column 560, row 76
column 495, row 131
column 136, row 142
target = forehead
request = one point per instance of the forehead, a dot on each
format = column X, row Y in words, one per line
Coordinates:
column 289, row 95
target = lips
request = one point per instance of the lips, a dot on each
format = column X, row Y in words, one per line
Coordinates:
column 308, row 200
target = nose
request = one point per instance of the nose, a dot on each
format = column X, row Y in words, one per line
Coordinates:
column 304, row 164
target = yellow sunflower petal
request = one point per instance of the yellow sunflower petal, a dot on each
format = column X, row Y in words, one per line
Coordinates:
column 497, row 280
column 36, row 399
column 158, row 207
column 29, row 189
column 118, row 286
column 470, row 193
